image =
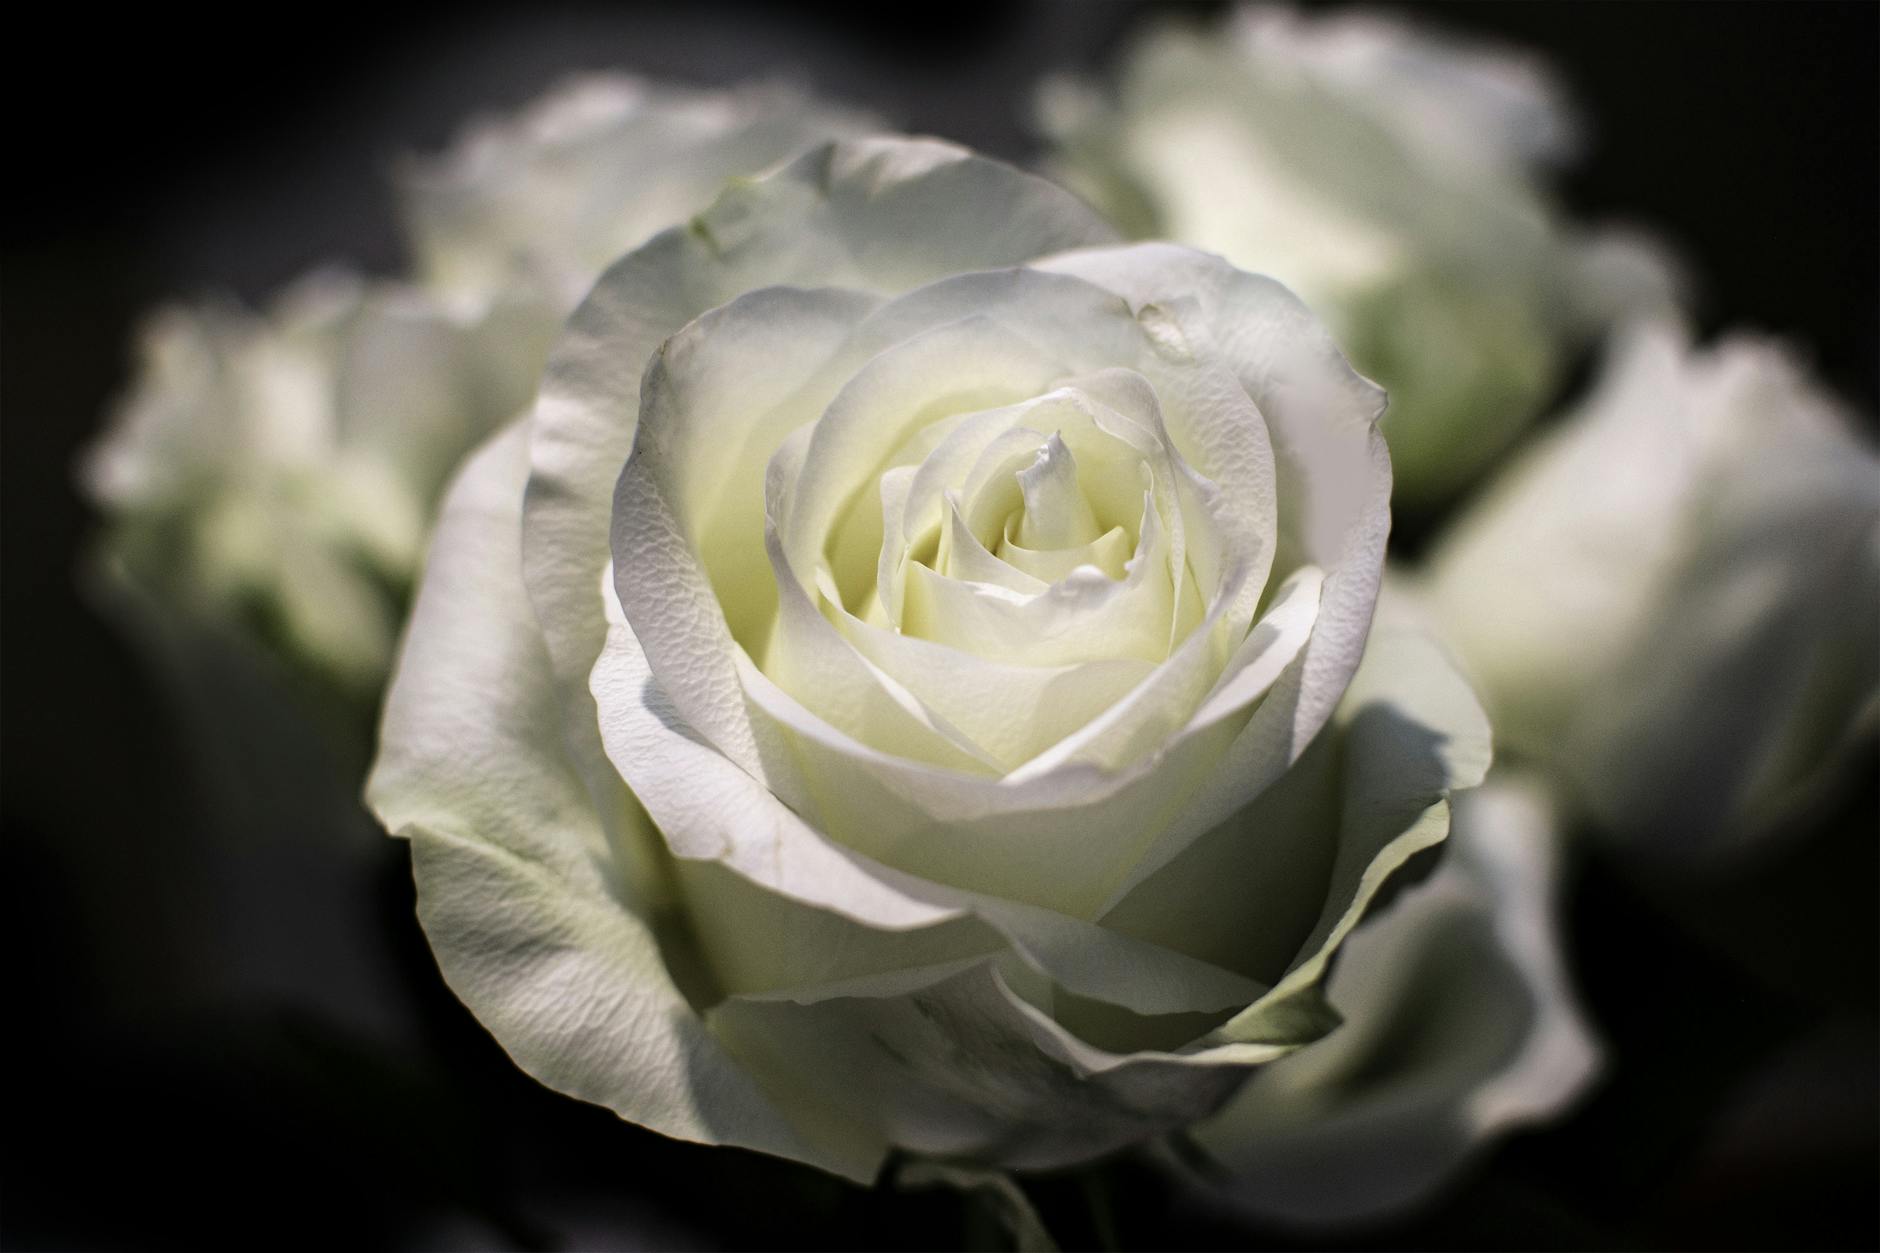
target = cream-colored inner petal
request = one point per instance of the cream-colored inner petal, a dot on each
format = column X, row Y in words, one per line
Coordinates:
column 1057, row 514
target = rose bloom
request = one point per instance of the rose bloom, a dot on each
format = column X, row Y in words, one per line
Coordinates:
column 1671, row 601
column 273, row 472
column 901, row 689
column 1393, row 177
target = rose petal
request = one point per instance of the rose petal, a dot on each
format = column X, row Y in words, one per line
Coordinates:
column 539, row 921
column 1459, row 1024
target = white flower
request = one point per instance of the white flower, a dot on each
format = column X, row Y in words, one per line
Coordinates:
column 1672, row 601
column 898, row 689
column 275, row 471
column 535, row 205
column 1391, row 177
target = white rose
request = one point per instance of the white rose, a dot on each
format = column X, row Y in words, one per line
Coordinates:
column 1672, row 601
column 274, row 471
column 898, row 690
column 526, row 210
column 1387, row 174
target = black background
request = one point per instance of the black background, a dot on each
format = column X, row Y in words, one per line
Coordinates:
column 218, row 1034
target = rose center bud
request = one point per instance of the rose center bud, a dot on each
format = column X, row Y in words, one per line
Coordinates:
column 1056, row 512
column 1034, row 535
column 1057, row 531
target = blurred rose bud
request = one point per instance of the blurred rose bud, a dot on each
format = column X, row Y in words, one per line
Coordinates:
column 523, row 212
column 274, row 472
column 1391, row 177
column 1672, row 601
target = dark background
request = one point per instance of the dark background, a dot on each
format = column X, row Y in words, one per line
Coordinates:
column 222, row 1026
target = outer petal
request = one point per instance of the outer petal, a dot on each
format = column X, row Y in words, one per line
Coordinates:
column 1331, row 832
column 1459, row 1024
column 539, row 922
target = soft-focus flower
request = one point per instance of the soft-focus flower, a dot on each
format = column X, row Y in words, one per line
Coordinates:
column 523, row 212
column 1460, row 1023
column 902, row 687
column 1391, row 177
column 274, row 471
column 1672, row 601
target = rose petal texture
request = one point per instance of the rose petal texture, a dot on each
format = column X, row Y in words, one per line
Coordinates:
column 1672, row 602
column 273, row 472
column 1460, row 1024
column 897, row 691
column 1389, row 174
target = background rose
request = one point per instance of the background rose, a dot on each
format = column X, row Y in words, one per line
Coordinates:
column 274, row 472
column 1672, row 601
column 522, row 213
column 904, row 890
column 1389, row 175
